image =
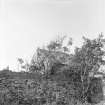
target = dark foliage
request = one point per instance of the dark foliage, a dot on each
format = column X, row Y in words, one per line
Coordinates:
column 57, row 77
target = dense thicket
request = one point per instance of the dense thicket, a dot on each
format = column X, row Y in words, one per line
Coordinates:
column 78, row 68
column 57, row 77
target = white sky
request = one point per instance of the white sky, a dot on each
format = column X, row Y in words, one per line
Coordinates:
column 26, row 24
